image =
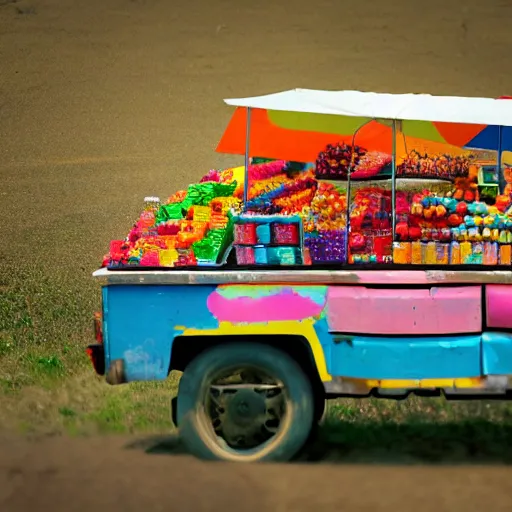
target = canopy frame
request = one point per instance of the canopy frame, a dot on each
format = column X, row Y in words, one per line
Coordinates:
column 250, row 103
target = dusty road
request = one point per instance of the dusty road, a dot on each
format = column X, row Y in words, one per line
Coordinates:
column 105, row 101
column 116, row 474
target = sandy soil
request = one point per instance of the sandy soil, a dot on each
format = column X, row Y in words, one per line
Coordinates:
column 120, row 474
column 105, row 101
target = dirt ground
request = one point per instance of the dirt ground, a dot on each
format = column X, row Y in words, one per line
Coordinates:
column 105, row 101
column 123, row 474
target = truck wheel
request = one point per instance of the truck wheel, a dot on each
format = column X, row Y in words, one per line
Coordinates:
column 244, row 402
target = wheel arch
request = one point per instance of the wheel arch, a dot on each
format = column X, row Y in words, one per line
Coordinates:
column 186, row 347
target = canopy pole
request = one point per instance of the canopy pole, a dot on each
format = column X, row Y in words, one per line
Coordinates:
column 347, row 213
column 246, row 164
column 349, row 190
column 501, row 177
column 393, row 179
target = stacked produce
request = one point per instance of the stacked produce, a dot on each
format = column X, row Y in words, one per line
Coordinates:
column 444, row 223
column 335, row 161
column 324, row 223
column 191, row 228
column 370, row 165
column 419, row 165
column 370, row 226
column 453, row 227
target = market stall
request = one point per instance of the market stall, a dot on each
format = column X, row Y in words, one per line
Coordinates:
column 363, row 249
column 384, row 180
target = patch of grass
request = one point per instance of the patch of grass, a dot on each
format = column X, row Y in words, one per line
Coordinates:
column 47, row 384
column 418, row 429
column 141, row 407
column 84, row 404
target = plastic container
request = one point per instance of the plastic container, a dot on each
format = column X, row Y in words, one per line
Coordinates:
column 505, row 254
column 327, row 247
column 442, row 254
column 430, row 253
column 260, row 256
column 283, row 255
column 477, row 253
column 245, row 234
column 455, row 253
column 245, row 255
column 490, row 253
column 263, row 234
column 416, row 252
column 466, row 251
column 285, row 234
column 402, row 253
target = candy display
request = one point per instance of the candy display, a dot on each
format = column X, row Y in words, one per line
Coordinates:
column 299, row 214
column 434, row 166
column 268, row 240
column 452, row 226
column 371, row 164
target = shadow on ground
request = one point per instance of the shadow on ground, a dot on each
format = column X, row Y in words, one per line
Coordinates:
column 471, row 442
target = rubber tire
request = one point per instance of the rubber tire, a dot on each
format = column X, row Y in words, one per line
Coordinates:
column 300, row 405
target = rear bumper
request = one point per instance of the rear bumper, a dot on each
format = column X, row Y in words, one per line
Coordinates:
column 96, row 355
column 115, row 373
column 96, row 351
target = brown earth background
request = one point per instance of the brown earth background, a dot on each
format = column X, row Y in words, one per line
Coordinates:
column 103, row 102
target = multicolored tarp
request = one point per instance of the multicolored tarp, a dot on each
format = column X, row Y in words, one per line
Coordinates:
column 301, row 136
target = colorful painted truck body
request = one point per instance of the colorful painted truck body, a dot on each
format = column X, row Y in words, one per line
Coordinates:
column 351, row 333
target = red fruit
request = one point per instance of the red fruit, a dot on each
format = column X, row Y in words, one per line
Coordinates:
column 455, row 219
column 402, row 230
column 469, row 196
column 461, row 208
column 414, row 233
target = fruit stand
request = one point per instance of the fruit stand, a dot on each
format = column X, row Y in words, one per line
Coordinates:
column 360, row 254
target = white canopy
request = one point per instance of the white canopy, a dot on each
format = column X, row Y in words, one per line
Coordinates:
column 410, row 107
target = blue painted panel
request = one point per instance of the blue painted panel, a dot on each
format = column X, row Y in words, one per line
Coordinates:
column 497, row 353
column 106, row 342
column 325, row 338
column 406, row 358
column 140, row 323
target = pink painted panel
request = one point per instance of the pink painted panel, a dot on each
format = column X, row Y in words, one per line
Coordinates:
column 499, row 306
column 356, row 309
column 395, row 277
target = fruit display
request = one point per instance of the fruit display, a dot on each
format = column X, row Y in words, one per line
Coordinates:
column 417, row 165
column 370, row 165
column 293, row 218
column 334, row 162
column 370, row 226
column 325, row 221
column 453, row 227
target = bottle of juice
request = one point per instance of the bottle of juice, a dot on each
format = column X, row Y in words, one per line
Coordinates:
column 455, row 253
